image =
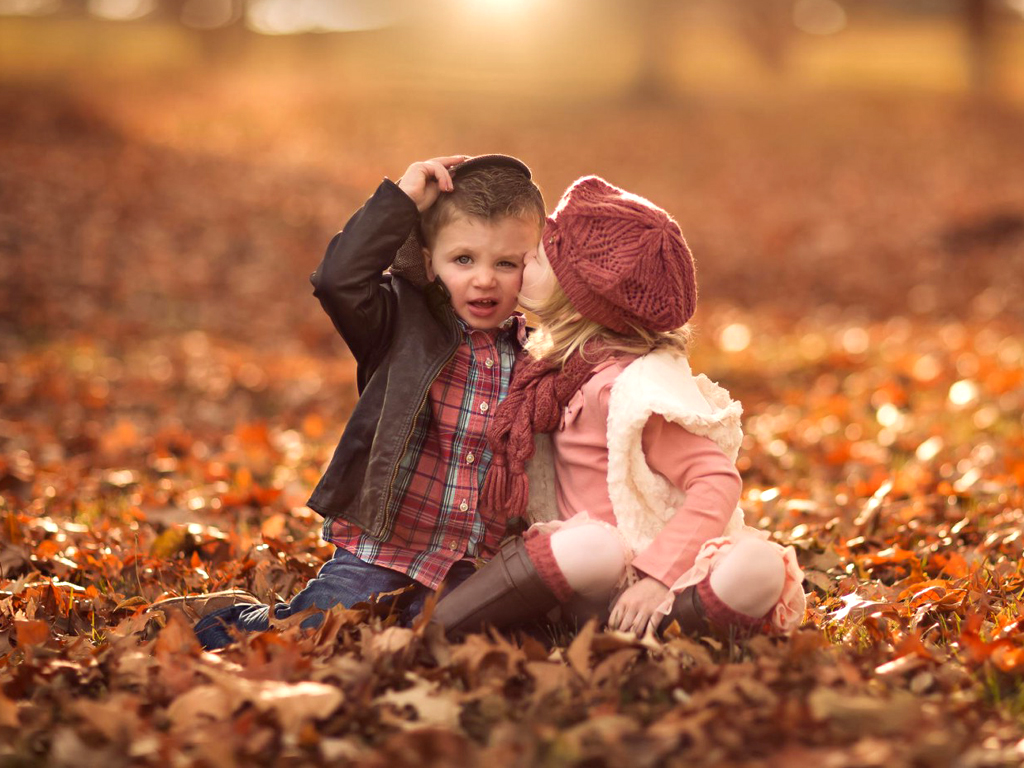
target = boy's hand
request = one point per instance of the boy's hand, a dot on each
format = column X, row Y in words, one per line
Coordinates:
column 425, row 180
column 635, row 607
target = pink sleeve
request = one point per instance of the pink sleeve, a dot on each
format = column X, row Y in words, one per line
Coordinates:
column 698, row 467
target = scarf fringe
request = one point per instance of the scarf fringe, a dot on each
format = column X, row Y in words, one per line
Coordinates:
column 520, row 494
column 538, row 392
column 495, row 493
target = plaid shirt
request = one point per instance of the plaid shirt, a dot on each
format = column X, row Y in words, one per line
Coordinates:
column 440, row 476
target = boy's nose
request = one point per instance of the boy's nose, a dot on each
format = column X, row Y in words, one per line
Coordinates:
column 485, row 276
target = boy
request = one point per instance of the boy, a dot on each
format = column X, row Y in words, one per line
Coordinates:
column 434, row 343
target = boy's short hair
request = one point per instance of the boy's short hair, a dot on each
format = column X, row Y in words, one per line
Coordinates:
column 488, row 187
column 487, row 192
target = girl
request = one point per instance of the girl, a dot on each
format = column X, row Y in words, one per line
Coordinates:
column 647, row 529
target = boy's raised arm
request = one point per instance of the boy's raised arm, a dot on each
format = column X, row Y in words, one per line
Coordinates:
column 348, row 281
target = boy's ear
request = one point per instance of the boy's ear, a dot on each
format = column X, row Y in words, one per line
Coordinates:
column 427, row 265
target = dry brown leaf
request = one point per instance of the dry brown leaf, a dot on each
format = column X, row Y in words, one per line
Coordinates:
column 578, row 654
column 432, row 705
column 8, row 712
column 201, row 705
column 860, row 714
column 611, row 669
column 131, row 602
column 294, row 704
column 549, row 677
column 116, row 717
column 391, row 640
column 32, row 632
column 172, row 541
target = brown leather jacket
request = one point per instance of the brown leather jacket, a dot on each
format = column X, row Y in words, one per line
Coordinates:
column 401, row 337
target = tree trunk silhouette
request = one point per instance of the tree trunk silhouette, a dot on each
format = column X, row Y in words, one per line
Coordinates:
column 980, row 46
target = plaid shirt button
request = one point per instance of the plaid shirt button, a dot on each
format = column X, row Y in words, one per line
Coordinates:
column 453, row 545
column 489, row 362
column 484, row 407
column 464, row 506
column 470, row 458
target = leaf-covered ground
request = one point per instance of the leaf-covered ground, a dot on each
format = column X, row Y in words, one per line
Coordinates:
column 169, row 392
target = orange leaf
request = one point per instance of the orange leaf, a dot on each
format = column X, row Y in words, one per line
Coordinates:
column 243, row 478
column 924, row 590
column 956, row 566
column 254, row 433
column 274, row 526
column 313, row 426
column 1008, row 658
column 8, row 712
column 47, row 549
column 32, row 632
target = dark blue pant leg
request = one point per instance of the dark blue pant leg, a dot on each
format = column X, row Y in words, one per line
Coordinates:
column 342, row 580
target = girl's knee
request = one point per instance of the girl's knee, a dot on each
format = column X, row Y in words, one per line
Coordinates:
column 590, row 557
column 750, row 577
column 758, row 557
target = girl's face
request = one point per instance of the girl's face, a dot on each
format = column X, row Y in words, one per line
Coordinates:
column 538, row 277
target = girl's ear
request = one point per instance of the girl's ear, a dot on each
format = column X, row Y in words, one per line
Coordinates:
column 428, row 266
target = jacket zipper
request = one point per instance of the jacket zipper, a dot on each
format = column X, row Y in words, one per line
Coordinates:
column 405, row 445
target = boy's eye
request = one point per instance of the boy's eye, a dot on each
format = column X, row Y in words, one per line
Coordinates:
column 508, row 264
column 463, row 259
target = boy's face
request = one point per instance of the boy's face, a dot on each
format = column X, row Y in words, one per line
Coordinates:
column 481, row 264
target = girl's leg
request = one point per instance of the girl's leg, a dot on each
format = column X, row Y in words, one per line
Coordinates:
column 530, row 577
column 590, row 558
column 749, row 577
column 744, row 585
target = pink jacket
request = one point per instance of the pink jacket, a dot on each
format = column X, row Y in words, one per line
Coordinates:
column 693, row 464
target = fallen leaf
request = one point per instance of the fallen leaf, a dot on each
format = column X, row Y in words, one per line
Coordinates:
column 32, row 632
column 578, row 654
column 861, row 715
column 432, row 705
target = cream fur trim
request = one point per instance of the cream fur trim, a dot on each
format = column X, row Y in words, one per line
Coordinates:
column 661, row 383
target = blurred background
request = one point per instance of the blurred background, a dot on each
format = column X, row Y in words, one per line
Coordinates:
column 847, row 172
column 180, row 165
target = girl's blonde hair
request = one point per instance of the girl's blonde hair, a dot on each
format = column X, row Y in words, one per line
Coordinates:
column 563, row 331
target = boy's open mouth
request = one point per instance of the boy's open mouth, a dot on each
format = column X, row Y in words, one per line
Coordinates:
column 482, row 308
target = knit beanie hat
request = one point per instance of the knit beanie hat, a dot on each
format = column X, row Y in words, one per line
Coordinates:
column 620, row 259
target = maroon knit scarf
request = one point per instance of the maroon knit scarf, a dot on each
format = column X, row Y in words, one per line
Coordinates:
column 536, row 396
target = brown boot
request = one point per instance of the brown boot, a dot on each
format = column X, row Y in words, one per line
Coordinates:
column 196, row 607
column 688, row 611
column 505, row 592
column 700, row 611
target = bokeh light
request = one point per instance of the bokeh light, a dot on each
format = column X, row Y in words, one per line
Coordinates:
column 962, row 393
column 735, row 337
column 819, row 17
column 122, row 10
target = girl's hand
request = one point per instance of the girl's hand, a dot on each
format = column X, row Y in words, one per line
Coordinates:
column 425, row 180
column 633, row 610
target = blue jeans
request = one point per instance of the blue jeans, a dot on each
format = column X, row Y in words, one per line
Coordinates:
column 342, row 580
